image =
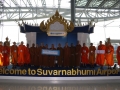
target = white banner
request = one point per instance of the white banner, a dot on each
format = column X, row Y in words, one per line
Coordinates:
column 100, row 51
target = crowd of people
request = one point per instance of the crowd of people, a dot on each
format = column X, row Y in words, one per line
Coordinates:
column 70, row 56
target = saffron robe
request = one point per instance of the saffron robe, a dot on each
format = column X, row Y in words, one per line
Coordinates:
column 14, row 54
column 7, row 43
column 109, row 56
column 21, row 54
column 36, row 61
column 40, row 56
column 100, row 59
column 45, row 60
column 84, row 52
column 60, row 58
column 32, row 55
column 6, row 54
column 66, row 62
column 78, row 55
column 118, row 55
column 112, row 52
column 52, row 59
column 27, row 55
column 1, row 55
column 72, row 56
column 92, row 55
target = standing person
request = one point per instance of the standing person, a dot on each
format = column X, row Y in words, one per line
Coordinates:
column 78, row 54
column 6, row 55
column 72, row 56
column 40, row 54
column 84, row 52
column 113, row 50
column 27, row 55
column 92, row 55
column 7, row 41
column 36, row 60
column 118, row 55
column 100, row 59
column 46, row 58
column 1, row 54
column 66, row 56
column 109, row 55
column 32, row 54
column 60, row 57
column 14, row 54
column 52, row 58
column 21, row 54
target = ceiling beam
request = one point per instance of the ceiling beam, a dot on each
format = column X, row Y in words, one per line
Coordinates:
column 51, row 8
column 113, row 6
column 82, row 18
column 32, row 8
column 102, row 3
column 81, row 7
column 87, row 4
column 24, row 3
column 43, row 3
column 48, row 11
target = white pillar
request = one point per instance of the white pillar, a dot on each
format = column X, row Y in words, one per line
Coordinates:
column 31, row 38
column 83, row 38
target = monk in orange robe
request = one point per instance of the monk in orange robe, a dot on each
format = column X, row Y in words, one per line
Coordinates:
column 27, row 55
column 1, row 54
column 113, row 50
column 72, row 56
column 52, row 58
column 36, row 60
column 100, row 59
column 60, row 57
column 109, row 55
column 6, row 54
column 84, row 52
column 118, row 55
column 14, row 54
column 92, row 55
column 32, row 54
column 40, row 56
column 7, row 41
column 66, row 56
column 21, row 54
column 46, row 58
column 78, row 55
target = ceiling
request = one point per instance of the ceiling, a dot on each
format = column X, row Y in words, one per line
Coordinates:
column 85, row 10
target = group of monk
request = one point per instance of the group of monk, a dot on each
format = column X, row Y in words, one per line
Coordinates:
column 18, row 54
column 24, row 55
column 70, row 56
column 103, row 53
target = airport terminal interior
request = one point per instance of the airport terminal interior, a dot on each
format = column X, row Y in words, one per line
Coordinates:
column 104, row 15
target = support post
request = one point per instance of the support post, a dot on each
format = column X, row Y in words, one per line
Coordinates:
column 73, row 11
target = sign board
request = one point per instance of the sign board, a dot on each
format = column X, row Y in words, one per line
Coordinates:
column 50, row 52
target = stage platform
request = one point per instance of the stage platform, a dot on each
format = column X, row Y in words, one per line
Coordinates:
column 92, row 85
column 58, row 79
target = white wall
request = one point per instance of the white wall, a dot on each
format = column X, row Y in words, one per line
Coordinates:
column 31, row 38
column 83, row 38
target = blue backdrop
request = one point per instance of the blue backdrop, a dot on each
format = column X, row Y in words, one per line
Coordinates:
column 44, row 38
